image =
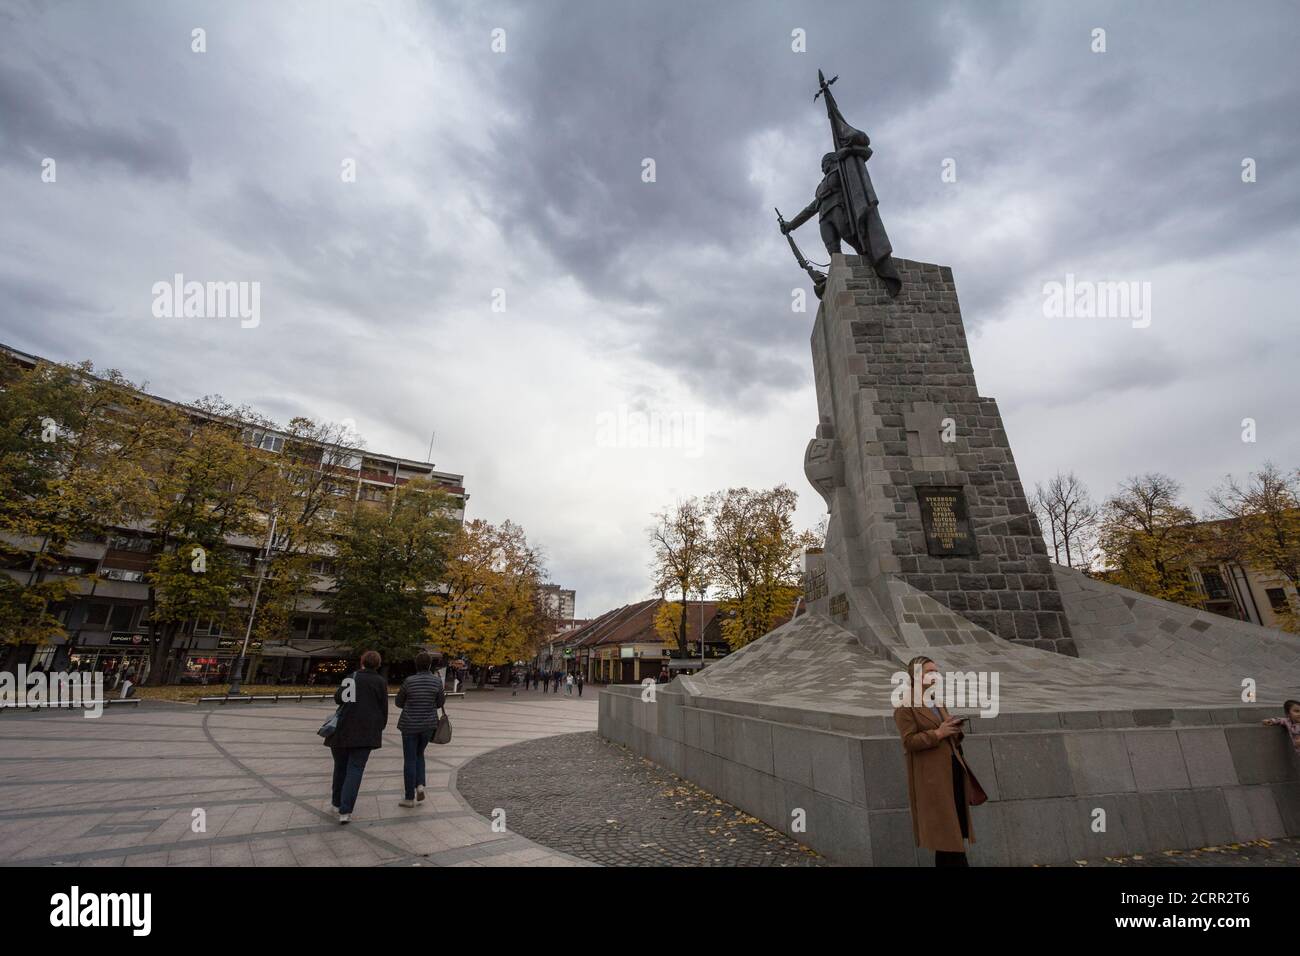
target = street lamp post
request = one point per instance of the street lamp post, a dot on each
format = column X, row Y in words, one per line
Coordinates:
column 701, row 630
column 262, row 562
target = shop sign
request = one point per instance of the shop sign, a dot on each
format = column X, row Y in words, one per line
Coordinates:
column 228, row 643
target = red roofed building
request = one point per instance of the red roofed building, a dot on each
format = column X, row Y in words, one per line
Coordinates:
column 622, row 646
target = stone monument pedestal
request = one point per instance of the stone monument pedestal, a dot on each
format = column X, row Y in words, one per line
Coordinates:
column 1105, row 699
column 918, row 474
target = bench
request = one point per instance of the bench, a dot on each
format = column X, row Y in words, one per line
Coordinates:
column 275, row 698
column 45, row 706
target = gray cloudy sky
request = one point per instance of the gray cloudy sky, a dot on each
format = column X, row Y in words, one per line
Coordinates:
column 521, row 171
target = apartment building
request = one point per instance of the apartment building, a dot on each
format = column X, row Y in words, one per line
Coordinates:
column 106, row 622
column 562, row 602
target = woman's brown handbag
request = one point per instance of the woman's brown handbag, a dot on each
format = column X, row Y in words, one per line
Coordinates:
column 975, row 793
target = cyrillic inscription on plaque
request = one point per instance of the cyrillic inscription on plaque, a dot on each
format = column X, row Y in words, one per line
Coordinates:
column 944, row 518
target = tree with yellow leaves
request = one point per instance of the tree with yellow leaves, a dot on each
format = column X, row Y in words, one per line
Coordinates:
column 755, row 558
column 1259, row 526
column 680, row 539
column 490, row 610
column 1149, row 538
column 70, row 447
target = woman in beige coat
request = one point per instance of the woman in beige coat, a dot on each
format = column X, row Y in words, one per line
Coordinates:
column 940, row 786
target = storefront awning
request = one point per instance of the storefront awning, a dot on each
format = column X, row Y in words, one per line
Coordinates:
column 307, row 648
column 280, row 650
column 692, row 663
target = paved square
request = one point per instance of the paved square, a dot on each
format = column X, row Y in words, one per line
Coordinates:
column 121, row 790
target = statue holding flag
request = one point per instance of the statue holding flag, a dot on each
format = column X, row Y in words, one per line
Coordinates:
column 845, row 203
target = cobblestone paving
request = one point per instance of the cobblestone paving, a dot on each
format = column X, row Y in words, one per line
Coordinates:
column 600, row 802
column 1281, row 852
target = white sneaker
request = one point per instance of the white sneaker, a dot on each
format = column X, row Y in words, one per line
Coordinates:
column 345, row 818
column 419, row 792
column 406, row 803
column 333, row 809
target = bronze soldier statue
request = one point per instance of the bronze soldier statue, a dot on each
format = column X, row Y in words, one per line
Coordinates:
column 828, row 203
column 845, row 202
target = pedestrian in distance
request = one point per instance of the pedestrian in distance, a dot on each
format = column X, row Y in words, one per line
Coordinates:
column 363, row 715
column 580, row 683
column 420, row 698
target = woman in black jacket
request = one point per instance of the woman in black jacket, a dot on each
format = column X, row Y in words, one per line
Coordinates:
column 364, row 698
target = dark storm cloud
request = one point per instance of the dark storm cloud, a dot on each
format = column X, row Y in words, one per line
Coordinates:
column 596, row 88
column 1118, row 373
column 1138, row 148
column 33, row 126
column 335, row 250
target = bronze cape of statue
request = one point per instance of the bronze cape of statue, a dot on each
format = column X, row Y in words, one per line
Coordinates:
column 845, row 202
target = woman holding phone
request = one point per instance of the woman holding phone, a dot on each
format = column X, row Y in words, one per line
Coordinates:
column 940, row 787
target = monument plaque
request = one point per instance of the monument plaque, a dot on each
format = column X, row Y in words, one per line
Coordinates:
column 815, row 585
column 947, row 526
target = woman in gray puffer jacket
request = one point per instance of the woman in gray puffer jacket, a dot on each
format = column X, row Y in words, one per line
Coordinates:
column 420, row 698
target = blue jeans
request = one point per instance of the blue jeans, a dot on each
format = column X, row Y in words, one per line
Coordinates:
column 413, row 760
column 349, row 765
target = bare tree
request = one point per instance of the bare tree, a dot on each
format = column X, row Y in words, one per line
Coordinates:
column 1071, row 517
column 1045, row 508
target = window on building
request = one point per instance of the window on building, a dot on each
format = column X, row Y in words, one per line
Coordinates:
column 1277, row 600
column 122, row 574
column 121, row 617
column 264, row 440
column 1212, row 581
column 124, row 542
column 97, row 615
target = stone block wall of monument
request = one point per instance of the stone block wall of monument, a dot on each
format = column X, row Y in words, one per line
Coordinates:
column 920, row 435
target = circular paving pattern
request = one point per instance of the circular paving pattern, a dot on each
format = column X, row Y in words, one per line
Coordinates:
column 598, row 801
